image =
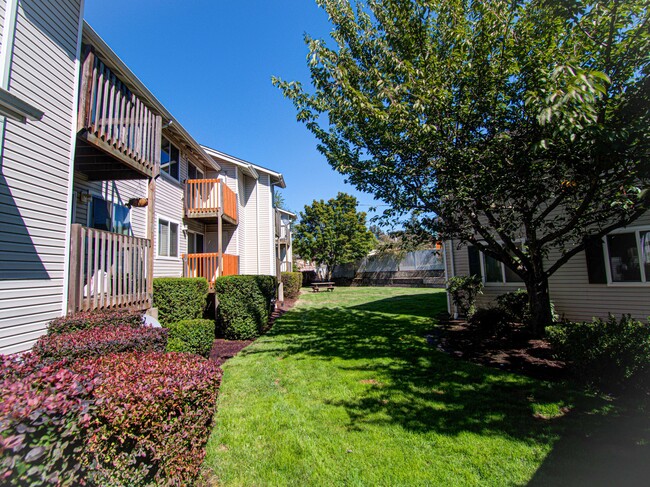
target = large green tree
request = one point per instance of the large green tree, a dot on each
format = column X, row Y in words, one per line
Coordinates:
column 500, row 121
column 333, row 232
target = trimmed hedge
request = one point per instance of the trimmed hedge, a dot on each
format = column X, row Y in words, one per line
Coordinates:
column 95, row 342
column 44, row 414
column 94, row 319
column 244, row 305
column 292, row 283
column 191, row 336
column 179, row 298
column 155, row 417
column 604, row 353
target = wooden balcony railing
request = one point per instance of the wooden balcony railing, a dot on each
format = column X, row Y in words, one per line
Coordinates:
column 205, row 197
column 116, row 121
column 207, row 265
column 107, row 270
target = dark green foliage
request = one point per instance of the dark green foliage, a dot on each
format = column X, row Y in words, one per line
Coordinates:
column 489, row 121
column 244, row 305
column 45, row 411
column 604, row 353
column 94, row 319
column 515, row 304
column 490, row 321
column 179, row 298
column 333, row 232
column 292, row 283
column 94, row 342
column 191, row 336
column 463, row 291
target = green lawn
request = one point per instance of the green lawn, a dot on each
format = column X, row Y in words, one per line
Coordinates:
column 345, row 390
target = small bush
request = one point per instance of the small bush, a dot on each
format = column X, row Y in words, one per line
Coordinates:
column 94, row 342
column 94, row 319
column 44, row 413
column 154, row 420
column 604, row 353
column 292, row 283
column 179, row 298
column 490, row 321
column 244, row 305
column 515, row 304
column 191, row 336
column 463, row 291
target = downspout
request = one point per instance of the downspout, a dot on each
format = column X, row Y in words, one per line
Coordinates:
column 453, row 274
column 6, row 56
column 257, row 220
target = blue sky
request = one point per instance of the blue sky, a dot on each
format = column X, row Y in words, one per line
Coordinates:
column 210, row 63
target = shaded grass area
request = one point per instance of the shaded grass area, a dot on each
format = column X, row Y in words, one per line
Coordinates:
column 345, row 390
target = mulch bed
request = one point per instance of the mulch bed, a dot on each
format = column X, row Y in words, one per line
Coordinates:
column 223, row 349
column 517, row 352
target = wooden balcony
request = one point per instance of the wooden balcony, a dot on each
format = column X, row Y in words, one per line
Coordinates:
column 205, row 198
column 119, row 136
column 107, row 270
column 207, row 265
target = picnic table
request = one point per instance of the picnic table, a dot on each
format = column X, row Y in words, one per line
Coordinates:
column 317, row 286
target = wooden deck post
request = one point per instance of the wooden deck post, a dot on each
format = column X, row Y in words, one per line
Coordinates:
column 220, row 228
column 75, row 268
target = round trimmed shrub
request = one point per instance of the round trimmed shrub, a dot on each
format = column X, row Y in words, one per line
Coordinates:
column 180, row 298
column 292, row 283
column 191, row 336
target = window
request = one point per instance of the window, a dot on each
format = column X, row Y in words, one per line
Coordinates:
column 170, row 158
column 194, row 172
column 628, row 256
column 109, row 216
column 498, row 272
column 167, row 238
column 194, row 243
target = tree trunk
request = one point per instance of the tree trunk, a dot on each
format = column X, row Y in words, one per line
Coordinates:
column 539, row 301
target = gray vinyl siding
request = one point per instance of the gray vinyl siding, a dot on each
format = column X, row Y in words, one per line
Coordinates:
column 169, row 206
column 266, row 232
column 572, row 294
column 35, row 171
column 3, row 9
column 249, row 256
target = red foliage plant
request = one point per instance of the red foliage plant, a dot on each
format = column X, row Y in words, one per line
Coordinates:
column 94, row 342
column 155, row 417
column 94, row 319
column 44, row 411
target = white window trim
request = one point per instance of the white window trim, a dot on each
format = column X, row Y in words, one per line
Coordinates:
column 608, row 269
column 168, row 176
column 178, row 238
column 503, row 284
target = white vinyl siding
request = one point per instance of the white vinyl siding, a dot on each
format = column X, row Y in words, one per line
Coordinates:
column 572, row 294
column 35, row 171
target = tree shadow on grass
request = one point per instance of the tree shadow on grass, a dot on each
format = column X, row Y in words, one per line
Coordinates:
column 425, row 391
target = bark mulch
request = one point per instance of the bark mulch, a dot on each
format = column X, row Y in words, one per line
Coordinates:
column 223, row 349
column 517, row 351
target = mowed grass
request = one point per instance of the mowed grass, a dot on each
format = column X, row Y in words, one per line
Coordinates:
column 345, row 390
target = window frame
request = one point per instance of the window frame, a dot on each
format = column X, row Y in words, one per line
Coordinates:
column 90, row 209
column 194, row 234
column 164, row 173
column 504, row 283
column 178, row 238
column 636, row 230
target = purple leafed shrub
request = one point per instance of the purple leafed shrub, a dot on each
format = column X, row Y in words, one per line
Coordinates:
column 44, row 413
column 155, row 417
column 95, row 342
column 94, row 319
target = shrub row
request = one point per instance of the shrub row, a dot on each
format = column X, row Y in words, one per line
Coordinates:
column 179, row 298
column 44, row 413
column 604, row 353
column 94, row 342
column 244, row 305
column 94, row 319
column 155, row 417
column 191, row 336
column 292, row 282
column 122, row 419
